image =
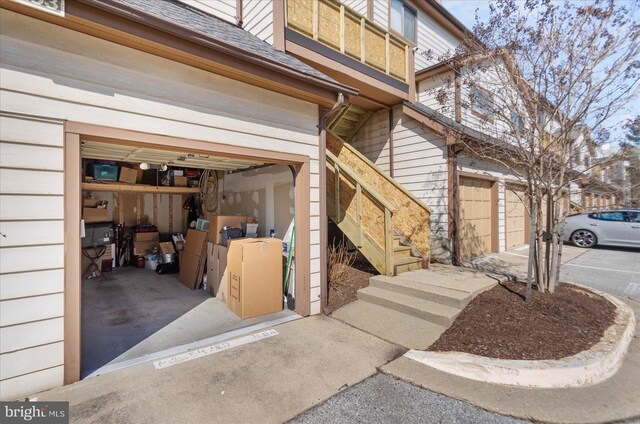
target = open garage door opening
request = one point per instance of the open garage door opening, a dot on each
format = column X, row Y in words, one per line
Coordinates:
column 180, row 247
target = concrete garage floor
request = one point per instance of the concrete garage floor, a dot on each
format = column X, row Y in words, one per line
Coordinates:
column 134, row 312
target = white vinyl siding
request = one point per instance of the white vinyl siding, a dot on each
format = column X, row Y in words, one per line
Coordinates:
column 258, row 19
column 381, row 13
column 373, row 140
column 434, row 42
column 48, row 71
column 223, row 9
column 430, row 88
column 359, row 6
column 31, row 251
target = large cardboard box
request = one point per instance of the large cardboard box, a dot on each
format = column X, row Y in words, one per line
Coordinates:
column 255, row 276
column 141, row 248
column 94, row 215
column 128, row 175
column 217, row 270
column 150, row 236
column 218, row 222
column 179, row 181
column 193, row 258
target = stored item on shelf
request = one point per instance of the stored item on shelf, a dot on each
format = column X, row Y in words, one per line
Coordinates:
column 128, row 175
column 218, row 222
column 94, row 210
column 104, row 172
column 148, row 236
column 249, row 228
column 180, row 181
column 229, row 233
column 202, row 224
column 255, row 276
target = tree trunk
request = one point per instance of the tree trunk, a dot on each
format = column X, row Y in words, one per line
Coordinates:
column 532, row 251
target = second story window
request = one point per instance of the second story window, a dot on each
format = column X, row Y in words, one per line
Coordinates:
column 403, row 20
column 481, row 103
column 518, row 122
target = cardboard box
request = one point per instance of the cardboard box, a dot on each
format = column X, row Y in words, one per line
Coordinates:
column 255, row 276
column 150, row 236
column 218, row 222
column 217, row 270
column 128, row 175
column 166, row 248
column 193, row 258
column 94, row 215
column 141, row 248
column 180, row 181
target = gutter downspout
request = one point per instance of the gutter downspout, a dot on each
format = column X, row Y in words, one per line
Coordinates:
column 324, row 282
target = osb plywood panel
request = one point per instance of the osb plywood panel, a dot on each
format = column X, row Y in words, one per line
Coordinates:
column 375, row 48
column 411, row 217
column 352, row 44
column 329, row 24
column 300, row 16
column 372, row 214
column 475, row 217
column 397, row 60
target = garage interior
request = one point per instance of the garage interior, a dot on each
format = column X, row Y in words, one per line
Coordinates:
column 158, row 229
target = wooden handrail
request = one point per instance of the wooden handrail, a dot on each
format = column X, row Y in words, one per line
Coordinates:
column 356, row 179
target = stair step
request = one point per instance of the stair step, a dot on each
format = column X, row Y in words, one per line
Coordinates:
column 420, row 308
column 473, row 283
column 401, row 252
column 406, row 264
column 442, row 295
column 396, row 242
column 387, row 324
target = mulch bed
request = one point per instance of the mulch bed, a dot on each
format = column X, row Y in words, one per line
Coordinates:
column 354, row 278
column 499, row 324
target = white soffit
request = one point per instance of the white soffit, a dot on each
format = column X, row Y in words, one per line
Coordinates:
column 136, row 154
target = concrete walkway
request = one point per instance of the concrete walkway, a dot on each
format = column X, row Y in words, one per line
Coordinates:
column 613, row 400
column 268, row 381
column 414, row 308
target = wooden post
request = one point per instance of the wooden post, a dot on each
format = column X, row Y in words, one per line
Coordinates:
column 336, row 196
column 387, row 54
column 407, row 62
column 388, row 243
column 363, row 29
column 359, row 214
column 155, row 209
column 316, row 16
column 342, row 28
column 170, row 214
column 138, row 208
column 454, row 204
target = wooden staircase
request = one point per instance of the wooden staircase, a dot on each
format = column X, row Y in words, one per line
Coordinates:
column 346, row 123
column 381, row 218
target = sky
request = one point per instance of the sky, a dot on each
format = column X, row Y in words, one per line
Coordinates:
column 465, row 12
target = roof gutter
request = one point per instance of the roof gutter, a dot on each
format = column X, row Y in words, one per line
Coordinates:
column 144, row 18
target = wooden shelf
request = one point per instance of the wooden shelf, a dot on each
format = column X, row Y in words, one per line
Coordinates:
column 138, row 188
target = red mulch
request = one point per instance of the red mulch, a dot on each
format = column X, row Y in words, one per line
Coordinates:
column 355, row 278
column 499, row 324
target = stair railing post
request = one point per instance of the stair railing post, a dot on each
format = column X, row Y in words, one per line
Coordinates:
column 359, row 214
column 336, row 197
column 388, row 243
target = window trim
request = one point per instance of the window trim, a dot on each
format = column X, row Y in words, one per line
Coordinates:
column 415, row 26
column 518, row 131
column 487, row 118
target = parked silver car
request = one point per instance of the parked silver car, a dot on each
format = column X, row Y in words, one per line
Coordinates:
column 619, row 227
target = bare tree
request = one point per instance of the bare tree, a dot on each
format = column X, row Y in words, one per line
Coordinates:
column 543, row 81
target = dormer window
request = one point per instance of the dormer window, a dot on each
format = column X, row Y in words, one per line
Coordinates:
column 518, row 122
column 403, row 20
column 481, row 103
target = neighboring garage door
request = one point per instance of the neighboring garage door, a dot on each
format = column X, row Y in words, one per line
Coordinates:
column 516, row 216
column 476, row 217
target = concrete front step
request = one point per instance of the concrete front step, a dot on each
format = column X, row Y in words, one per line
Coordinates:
column 420, row 308
column 406, row 264
column 454, row 278
column 442, row 295
column 393, row 326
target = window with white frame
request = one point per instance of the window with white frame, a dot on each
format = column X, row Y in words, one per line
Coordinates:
column 403, row 20
column 481, row 103
column 518, row 122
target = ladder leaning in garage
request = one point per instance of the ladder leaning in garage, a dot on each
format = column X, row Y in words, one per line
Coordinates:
column 382, row 219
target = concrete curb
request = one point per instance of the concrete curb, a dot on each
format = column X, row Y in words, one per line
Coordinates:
column 586, row 368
